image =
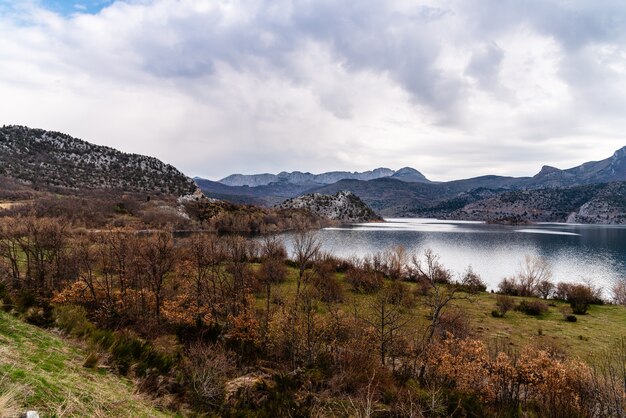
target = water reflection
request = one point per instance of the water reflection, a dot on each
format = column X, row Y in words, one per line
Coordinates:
column 575, row 252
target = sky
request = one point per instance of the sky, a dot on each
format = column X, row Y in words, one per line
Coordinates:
column 453, row 88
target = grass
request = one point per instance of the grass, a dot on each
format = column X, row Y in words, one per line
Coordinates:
column 591, row 334
column 43, row 372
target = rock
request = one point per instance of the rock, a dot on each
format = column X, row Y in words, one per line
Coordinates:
column 343, row 206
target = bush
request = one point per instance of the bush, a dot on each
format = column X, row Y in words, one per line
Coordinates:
column 328, row 287
column 504, row 303
column 534, row 307
column 471, row 282
column 364, row 280
column 73, row 320
column 207, row 367
column 580, row 297
column 399, row 294
column 508, row 286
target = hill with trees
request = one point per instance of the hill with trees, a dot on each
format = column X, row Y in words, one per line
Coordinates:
column 342, row 206
column 56, row 161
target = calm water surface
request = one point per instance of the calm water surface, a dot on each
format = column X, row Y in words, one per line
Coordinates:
column 575, row 252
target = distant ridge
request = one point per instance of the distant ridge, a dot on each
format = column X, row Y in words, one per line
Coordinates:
column 300, row 178
column 48, row 159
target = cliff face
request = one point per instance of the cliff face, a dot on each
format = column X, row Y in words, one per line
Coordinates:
column 342, row 206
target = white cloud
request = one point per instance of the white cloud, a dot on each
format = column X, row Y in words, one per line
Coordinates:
column 455, row 88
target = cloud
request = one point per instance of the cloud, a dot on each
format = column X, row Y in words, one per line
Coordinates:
column 454, row 88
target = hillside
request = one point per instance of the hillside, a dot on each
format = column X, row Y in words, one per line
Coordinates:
column 342, row 206
column 597, row 203
column 43, row 372
column 56, row 161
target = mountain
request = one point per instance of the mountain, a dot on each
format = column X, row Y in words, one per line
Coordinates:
column 53, row 160
column 605, row 171
column 342, row 206
column 594, row 203
column 410, row 175
column 406, row 192
column 300, row 178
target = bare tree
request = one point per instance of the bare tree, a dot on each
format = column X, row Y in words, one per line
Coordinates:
column 619, row 291
column 533, row 271
column 306, row 247
column 441, row 291
column 272, row 269
column 386, row 319
column 157, row 261
column 11, row 230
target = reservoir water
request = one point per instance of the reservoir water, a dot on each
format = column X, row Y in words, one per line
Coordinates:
column 576, row 253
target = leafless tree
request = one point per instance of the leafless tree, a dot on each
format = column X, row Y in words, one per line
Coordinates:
column 273, row 270
column 619, row 291
column 306, row 247
column 533, row 271
column 386, row 319
column 157, row 257
column 441, row 292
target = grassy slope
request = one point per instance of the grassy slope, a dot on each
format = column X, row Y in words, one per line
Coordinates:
column 44, row 372
column 590, row 335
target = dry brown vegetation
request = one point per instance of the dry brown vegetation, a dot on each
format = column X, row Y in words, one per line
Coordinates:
column 229, row 326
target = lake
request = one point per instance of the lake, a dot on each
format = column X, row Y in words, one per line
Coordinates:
column 575, row 252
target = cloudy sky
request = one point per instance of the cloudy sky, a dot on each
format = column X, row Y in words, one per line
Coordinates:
column 453, row 88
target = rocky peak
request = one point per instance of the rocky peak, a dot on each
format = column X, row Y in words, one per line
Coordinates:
column 410, row 174
column 547, row 170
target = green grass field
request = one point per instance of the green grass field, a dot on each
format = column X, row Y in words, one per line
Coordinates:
column 43, row 372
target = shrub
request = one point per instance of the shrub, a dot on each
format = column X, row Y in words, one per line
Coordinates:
column 562, row 290
column 364, row 280
column 73, row 320
column 328, row 287
column 508, row 286
column 399, row 294
column 207, row 367
column 504, row 303
column 545, row 288
column 579, row 298
column 471, row 282
column 534, row 307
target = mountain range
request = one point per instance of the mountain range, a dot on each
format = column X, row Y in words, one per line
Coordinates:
column 407, row 192
column 594, row 192
column 297, row 177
